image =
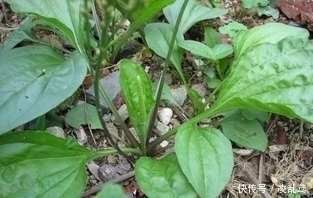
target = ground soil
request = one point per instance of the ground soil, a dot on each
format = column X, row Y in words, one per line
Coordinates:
column 286, row 163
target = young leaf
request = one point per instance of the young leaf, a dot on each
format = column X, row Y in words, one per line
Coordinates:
column 111, row 190
column 32, row 82
column 162, row 178
column 158, row 37
column 254, row 3
column 193, row 13
column 211, row 37
column 205, row 156
column 38, row 164
column 232, row 28
column 268, row 11
column 213, row 82
column 64, row 15
column 83, row 114
column 274, row 78
column 137, row 90
column 198, row 49
column 222, row 50
column 246, row 133
column 268, row 33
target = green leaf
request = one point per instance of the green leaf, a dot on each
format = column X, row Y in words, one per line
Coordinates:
column 162, row 33
column 244, row 132
column 62, row 14
column 222, row 50
column 213, row 82
column 35, row 79
column 166, row 93
column 209, row 72
column 111, row 190
column 162, row 178
column 232, row 28
column 38, row 164
column 205, row 156
column 254, row 3
column 83, row 114
column 13, row 39
column 144, row 12
column 268, row 33
column 195, row 99
column 137, row 90
column 274, row 78
column 211, row 37
column 250, row 114
column 193, row 13
column 198, row 49
column 268, row 11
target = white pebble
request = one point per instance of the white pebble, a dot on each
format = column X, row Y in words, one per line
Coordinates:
column 165, row 115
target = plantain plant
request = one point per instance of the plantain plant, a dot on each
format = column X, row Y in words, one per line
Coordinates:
column 271, row 72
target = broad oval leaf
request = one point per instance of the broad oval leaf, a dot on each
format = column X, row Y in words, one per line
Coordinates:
column 244, row 132
column 138, row 94
column 272, row 77
column 198, row 49
column 64, row 15
column 205, row 156
column 193, row 13
column 83, row 114
column 222, row 50
column 158, row 37
column 111, row 190
column 38, row 164
column 268, row 33
column 162, row 178
column 35, row 79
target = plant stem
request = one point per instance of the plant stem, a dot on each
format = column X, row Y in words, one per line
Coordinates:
column 128, row 134
column 161, row 82
column 106, row 152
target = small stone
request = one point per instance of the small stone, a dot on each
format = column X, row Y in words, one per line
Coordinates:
column 179, row 95
column 81, row 135
column 164, row 144
column 161, row 128
column 57, row 131
column 107, row 117
column 123, row 114
column 111, row 84
column 133, row 131
column 168, row 79
column 112, row 159
column 107, row 172
column 93, row 168
column 197, row 63
column 165, row 115
column 200, row 89
column 112, row 128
